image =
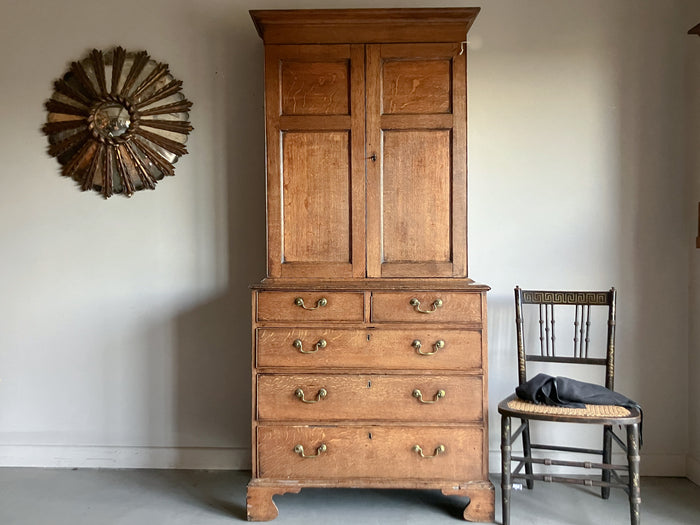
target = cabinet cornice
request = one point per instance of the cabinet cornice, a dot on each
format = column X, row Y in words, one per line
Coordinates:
column 327, row 26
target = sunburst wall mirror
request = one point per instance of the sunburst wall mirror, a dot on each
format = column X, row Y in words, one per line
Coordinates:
column 117, row 122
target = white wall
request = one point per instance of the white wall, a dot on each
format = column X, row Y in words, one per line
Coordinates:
column 693, row 172
column 125, row 323
column 124, row 338
column 576, row 181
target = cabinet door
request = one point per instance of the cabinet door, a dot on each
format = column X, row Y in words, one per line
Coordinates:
column 314, row 106
column 416, row 187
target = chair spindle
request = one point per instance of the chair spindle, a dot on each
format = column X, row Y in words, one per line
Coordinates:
column 546, row 327
column 576, row 332
column 542, row 353
column 588, row 327
column 553, row 335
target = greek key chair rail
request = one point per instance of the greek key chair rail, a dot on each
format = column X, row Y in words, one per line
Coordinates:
column 569, row 297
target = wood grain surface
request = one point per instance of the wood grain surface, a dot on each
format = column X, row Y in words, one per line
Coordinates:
column 416, row 86
column 396, row 306
column 314, row 109
column 316, row 198
column 326, row 26
column 369, row 398
column 416, row 190
column 370, row 452
column 315, row 88
column 381, row 348
column 340, row 306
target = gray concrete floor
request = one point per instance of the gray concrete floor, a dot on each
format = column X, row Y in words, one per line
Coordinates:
column 178, row 497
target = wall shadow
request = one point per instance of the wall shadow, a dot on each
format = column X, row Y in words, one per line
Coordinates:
column 653, row 274
column 212, row 394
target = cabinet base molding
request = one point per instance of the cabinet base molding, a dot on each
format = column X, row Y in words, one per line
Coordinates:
column 480, row 507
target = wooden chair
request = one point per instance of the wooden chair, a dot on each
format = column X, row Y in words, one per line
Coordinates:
column 551, row 351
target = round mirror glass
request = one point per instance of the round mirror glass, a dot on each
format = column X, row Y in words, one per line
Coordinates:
column 112, row 120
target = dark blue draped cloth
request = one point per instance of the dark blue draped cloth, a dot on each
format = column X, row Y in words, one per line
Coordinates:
column 570, row 393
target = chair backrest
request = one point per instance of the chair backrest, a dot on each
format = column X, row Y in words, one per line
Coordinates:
column 550, row 350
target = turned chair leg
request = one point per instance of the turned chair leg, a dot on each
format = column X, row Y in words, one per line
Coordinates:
column 505, row 469
column 607, row 458
column 633, row 462
column 527, row 452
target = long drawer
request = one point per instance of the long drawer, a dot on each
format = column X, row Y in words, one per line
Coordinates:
column 412, row 349
column 307, row 305
column 426, row 307
column 335, row 397
column 370, row 452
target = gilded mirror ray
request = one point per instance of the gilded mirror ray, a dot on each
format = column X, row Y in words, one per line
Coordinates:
column 117, row 122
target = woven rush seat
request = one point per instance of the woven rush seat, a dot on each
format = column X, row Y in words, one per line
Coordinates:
column 590, row 411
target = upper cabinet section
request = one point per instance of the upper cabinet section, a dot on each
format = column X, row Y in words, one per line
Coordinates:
column 366, row 142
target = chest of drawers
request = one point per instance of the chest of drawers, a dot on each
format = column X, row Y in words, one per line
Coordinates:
column 369, row 338
column 370, row 386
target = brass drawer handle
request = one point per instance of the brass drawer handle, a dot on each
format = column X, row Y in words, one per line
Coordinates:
column 439, row 450
column 437, row 303
column 321, row 343
column 320, row 450
column 319, row 304
column 438, row 395
column 322, row 393
column 437, row 346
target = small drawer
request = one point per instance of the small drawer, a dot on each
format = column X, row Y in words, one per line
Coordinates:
column 336, row 397
column 370, row 452
column 309, row 305
column 426, row 307
column 388, row 349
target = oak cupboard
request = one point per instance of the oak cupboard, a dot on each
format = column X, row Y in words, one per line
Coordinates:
column 369, row 339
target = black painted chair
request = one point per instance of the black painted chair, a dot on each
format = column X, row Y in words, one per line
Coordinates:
column 580, row 306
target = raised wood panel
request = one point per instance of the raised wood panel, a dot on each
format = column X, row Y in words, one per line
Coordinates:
column 370, row 452
column 315, row 88
column 316, row 197
column 282, row 307
column 379, row 348
column 456, row 307
column 416, row 216
column 416, row 86
column 369, row 398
